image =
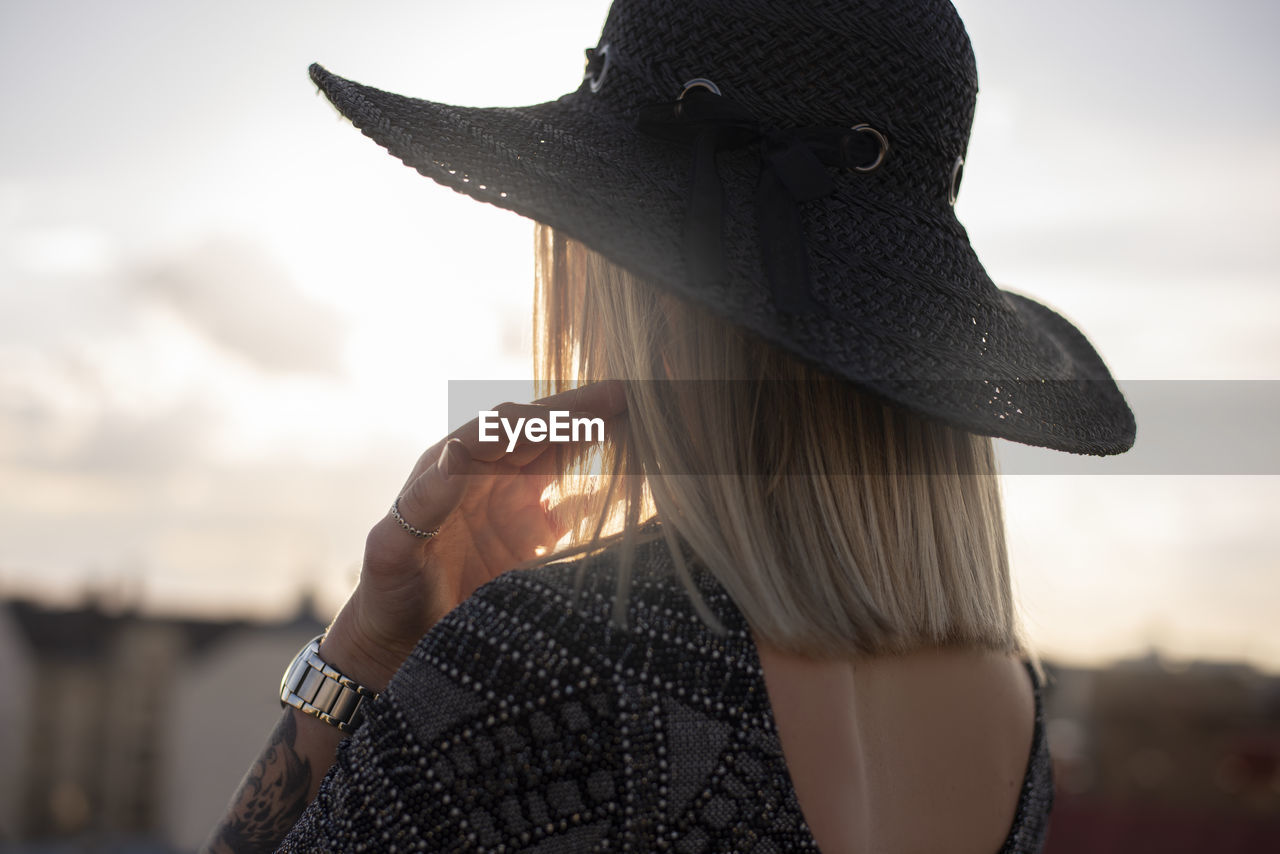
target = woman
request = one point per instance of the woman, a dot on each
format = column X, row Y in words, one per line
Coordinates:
column 800, row 633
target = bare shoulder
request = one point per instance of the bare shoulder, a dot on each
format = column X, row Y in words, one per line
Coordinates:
column 941, row 732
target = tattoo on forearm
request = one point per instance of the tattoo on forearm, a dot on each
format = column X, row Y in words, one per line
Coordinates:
column 270, row 798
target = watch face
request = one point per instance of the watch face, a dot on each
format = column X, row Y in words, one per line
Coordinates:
column 296, row 670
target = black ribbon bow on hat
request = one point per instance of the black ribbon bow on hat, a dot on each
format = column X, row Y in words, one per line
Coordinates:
column 793, row 170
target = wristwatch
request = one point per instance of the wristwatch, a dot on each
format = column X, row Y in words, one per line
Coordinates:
column 315, row 688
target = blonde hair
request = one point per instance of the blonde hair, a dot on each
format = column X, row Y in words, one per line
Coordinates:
column 873, row 530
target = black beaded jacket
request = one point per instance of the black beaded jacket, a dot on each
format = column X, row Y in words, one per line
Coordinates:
column 526, row 720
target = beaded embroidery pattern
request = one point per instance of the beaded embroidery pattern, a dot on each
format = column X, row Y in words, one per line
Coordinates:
column 525, row 722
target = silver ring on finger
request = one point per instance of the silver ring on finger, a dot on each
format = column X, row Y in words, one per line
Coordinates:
column 417, row 532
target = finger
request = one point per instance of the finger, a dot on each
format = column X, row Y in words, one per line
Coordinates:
column 518, row 433
column 433, row 495
column 558, row 522
column 500, row 436
column 605, row 399
column 469, row 435
column 542, row 466
column 581, row 425
column 566, row 513
column 600, row 399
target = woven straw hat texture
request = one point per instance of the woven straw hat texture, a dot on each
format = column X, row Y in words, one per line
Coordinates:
column 906, row 308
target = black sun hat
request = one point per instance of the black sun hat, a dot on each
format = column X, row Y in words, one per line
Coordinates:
column 792, row 167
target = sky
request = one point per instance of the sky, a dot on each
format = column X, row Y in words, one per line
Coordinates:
column 228, row 320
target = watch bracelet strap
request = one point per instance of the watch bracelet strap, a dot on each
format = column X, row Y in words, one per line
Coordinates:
column 317, row 689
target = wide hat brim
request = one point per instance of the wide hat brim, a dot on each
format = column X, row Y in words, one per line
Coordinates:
column 909, row 312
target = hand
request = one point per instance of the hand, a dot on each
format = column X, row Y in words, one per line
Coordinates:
column 486, row 503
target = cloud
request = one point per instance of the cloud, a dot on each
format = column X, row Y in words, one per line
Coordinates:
column 165, row 441
column 232, row 294
column 98, row 436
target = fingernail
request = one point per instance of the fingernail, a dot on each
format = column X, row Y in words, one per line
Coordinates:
column 443, row 463
column 449, row 459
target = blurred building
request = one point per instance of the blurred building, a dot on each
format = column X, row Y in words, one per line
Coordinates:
column 130, row 732
column 127, row 732
column 15, row 709
column 1152, row 755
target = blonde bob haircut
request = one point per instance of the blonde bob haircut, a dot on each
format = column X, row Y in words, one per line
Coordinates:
column 873, row 531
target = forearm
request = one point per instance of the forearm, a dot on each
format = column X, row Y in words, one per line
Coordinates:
column 286, row 775
column 278, row 787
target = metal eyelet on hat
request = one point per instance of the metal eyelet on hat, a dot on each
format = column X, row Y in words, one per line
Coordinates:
column 880, row 138
column 597, row 56
column 957, row 171
column 698, row 83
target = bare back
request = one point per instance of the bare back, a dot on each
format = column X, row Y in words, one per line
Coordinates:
column 916, row 753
